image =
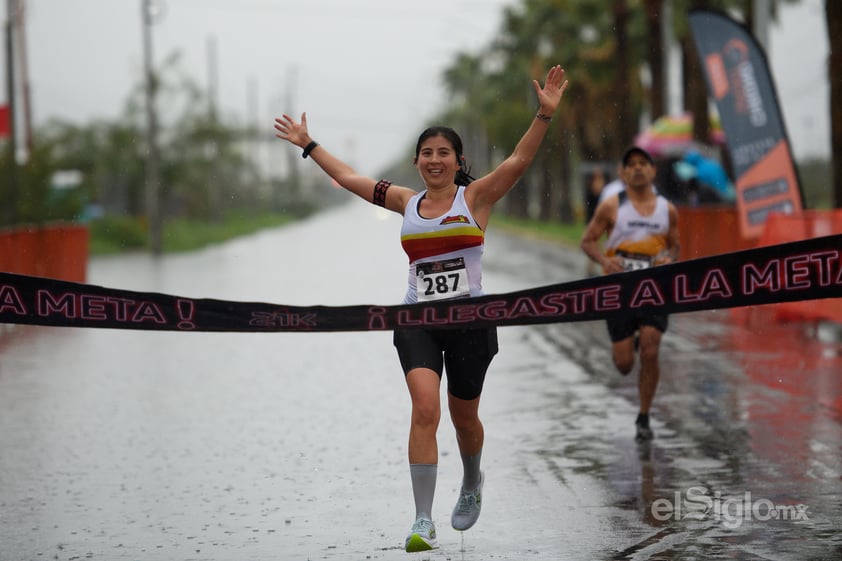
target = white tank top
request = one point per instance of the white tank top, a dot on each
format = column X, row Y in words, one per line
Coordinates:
column 445, row 252
column 637, row 238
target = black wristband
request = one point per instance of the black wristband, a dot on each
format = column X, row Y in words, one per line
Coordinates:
column 309, row 148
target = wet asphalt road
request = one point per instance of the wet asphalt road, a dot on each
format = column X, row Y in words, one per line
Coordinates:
column 120, row 445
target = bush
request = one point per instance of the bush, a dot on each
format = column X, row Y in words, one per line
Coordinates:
column 114, row 234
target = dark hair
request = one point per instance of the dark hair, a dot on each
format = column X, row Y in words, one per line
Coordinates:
column 463, row 174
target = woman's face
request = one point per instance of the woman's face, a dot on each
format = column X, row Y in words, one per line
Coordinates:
column 437, row 162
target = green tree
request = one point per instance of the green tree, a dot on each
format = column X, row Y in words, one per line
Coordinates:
column 198, row 153
column 602, row 51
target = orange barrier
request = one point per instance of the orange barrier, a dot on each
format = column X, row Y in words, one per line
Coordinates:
column 710, row 230
column 713, row 230
column 58, row 251
column 782, row 228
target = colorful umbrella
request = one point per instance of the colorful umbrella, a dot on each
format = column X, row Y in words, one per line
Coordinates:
column 672, row 136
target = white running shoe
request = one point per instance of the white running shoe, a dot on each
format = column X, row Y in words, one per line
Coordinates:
column 466, row 512
column 422, row 537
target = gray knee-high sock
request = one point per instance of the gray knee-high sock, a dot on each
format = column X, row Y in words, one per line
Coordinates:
column 470, row 464
column 423, row 487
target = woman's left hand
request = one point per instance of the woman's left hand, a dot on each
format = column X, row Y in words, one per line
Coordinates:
column 550, row 94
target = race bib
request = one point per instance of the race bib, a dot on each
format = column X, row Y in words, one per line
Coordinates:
column 635, row 261
column 439, row 280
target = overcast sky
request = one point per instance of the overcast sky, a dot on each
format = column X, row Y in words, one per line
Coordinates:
column 366, row 71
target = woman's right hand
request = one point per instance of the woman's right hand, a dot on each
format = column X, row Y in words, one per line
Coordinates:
column 293, row 132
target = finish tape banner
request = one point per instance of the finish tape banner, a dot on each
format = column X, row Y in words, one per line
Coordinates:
column 803, row 270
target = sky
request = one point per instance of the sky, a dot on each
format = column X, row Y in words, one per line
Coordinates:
column 367, row 72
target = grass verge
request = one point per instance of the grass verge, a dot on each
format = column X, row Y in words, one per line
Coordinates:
column 120, row 234
column 567, row 234
column 113, row 235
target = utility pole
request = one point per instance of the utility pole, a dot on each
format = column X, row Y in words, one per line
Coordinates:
column 153, row 211
column 254, row 125
column 293, row 189
column 761, row 20
column 26, row 97
column 214, row 150
column 12, row 211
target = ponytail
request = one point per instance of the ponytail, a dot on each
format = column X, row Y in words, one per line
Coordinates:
column 463, row 175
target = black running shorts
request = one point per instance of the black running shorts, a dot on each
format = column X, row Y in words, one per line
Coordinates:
column 623, row 327
column 464, row 354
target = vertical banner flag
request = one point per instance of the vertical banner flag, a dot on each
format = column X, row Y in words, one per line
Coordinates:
column 739, row 80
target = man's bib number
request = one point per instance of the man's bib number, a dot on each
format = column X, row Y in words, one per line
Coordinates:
column 439, row 280
column 635, row 261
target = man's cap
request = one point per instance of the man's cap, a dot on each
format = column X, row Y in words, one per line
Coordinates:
column 636, row 150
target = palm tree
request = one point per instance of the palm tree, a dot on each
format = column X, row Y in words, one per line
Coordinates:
column 626, row 124
column 465, row 83
column 655, row 57
column 601, row 107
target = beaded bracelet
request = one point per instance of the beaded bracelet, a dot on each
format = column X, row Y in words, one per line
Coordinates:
column 542, row 117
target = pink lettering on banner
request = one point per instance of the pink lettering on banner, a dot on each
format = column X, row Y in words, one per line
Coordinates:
column 148, row 311
column 581, row 299
column 186, row 309
column 793, row 273
column 10, row 301
column 430, row 317
column 755, row 278
column 647, row 293
column 523, row 307
column 463, row 314
column 823, row 259
column 713, row 284
column 97, row 308
column 495, row 309
column 283, row 319
column 49, row 305
column 376, row 318
column 554, row 304
column 405, row 319
column 797, row 274
column 608, row 298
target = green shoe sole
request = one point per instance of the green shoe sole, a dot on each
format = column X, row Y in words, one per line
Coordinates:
column 416, row 543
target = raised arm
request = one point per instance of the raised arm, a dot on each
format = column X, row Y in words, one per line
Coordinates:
column 364, row 187
column 487, row 190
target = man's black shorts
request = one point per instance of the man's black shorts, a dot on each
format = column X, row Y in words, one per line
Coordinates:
column 464, row 354
column 623, row 327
